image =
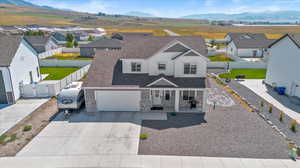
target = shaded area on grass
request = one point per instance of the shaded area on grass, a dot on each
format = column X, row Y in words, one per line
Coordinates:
column 249, row 73
column 57, row 73
column 220, row 58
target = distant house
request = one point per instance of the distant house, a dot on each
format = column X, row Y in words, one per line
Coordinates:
column 88, row 50
column 149, row 74
column 41, row 44
column 122, row 36
column 19, row 65
column 59, row 38
column 247, row 45
column 283, row 64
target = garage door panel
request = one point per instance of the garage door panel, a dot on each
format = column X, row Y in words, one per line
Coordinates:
column 118, row 100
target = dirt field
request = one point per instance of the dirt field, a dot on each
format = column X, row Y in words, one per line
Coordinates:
column 38, row 120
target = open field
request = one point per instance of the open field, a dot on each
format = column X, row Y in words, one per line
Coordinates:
column 16, row 15
column 56, row 73
column 249, row 73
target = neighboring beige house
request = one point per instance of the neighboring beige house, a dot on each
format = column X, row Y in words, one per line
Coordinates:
column 149, row 74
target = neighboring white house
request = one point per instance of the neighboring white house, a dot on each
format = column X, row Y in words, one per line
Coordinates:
column 18, row 65
column 247, row 45
column 44, row 46
column 284, row 64
column 148, row 74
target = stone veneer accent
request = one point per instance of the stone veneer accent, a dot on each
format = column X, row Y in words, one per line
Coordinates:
column 146, row 103
column 90, row 100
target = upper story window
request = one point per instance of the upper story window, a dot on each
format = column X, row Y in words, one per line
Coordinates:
column 162, row 67
column 136, row 67
column 190, row 68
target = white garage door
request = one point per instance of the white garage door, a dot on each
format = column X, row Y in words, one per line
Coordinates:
column 118, row 100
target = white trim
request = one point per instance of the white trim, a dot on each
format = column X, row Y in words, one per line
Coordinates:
column 160, row 80
column 137, row 88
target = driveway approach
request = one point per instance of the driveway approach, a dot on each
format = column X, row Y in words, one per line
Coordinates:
column 109, row 133
column 12, row 114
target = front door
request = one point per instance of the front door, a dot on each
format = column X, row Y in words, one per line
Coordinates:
column 157, row 96
column 254, row 53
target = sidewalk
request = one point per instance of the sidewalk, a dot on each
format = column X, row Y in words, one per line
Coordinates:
column 11, row 115
column 143, row 161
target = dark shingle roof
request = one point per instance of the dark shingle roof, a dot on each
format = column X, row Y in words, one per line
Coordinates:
column 145, row 47
column 59, row 36
column 294, row 37
column 8, row 48
column 38, row 43
column 106, row 71
column 250, row 40
column 103, row 43
column 122, row 36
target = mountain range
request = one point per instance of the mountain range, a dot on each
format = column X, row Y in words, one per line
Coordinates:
column 139, row 14
column 28, row 4
column 271, row 16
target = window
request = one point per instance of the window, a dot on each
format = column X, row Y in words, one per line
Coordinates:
column 136, row 67
column 162, row 67
column 190, row 68
column 167, row 95
column 188, row 95
column 37, row 72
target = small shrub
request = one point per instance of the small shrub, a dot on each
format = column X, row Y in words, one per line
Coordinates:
column 281, row 116
column 262, row 104
column 294, row 126
column 144, row 136
column 173, row 114
column 270, row 108
column 27, row 128
column 4, row 139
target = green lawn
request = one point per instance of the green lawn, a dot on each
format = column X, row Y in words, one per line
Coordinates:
column 57, row 73
column 249, row 73
column 220, row 58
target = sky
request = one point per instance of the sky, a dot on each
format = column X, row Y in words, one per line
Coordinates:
column 172, row 8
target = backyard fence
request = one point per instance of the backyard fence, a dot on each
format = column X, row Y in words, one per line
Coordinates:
column 71, row 50
column 51, row 88
column 64, row 63
column 50, row 53
column 238, row 65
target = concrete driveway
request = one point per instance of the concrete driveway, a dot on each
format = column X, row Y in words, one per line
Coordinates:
column 12, row 114
column 281, row 102
column 103, row 134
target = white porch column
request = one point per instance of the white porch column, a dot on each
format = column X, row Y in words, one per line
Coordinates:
column 177, row 96
column 204, row 109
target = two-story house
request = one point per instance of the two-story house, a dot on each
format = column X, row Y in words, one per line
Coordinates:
column 149, row 74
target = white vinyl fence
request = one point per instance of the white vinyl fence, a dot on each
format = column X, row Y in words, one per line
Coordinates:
column 51, row 88
column 71, row 50
column 50, row 53
column 238, row 65
column 64, row 63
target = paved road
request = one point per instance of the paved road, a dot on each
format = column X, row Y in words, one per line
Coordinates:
column 11, row 115
column 171, row 33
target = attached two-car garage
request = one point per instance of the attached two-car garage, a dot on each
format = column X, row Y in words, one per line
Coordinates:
column 108, row 100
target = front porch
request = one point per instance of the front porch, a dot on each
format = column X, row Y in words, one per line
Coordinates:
column 173, row 100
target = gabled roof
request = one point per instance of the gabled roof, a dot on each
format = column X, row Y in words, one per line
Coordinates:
column 294, row 37
column 38, row 43
column 250, row 40
column 103, row 43
column 145, row 47
column 122, row 36
column 8, row 48
column 59, row 36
